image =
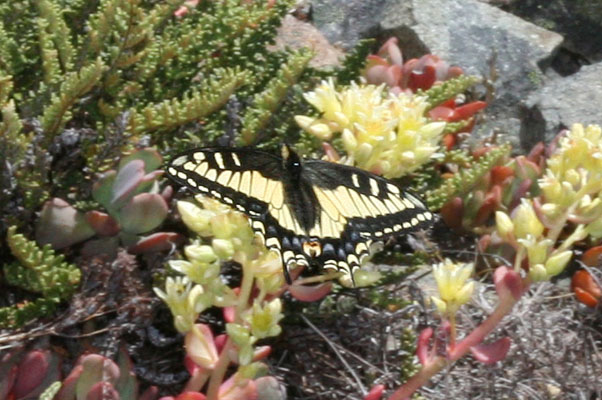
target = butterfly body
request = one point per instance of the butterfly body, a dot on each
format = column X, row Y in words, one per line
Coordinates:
column 306, row 210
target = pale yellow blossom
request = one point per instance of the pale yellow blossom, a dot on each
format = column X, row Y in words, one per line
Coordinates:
column 385, row 134
column 455, row 288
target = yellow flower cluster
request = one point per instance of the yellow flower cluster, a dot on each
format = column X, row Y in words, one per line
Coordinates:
column 184, row 300
column 572, row 184
column 202, row 286
column 387, row 135
column 571, row 192
column 455, row 289
column 261, row 322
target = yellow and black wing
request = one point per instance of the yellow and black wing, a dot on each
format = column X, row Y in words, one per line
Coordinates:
column 358, row 208
column 305, row 210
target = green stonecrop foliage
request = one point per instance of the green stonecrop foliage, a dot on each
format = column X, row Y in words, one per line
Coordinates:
column 83, row 82
column 266, row 102
column 354, row 62
column 448, row 89
column 37, row 270
column 466, row 178
column 132, row 71
column 173, row 113
column 75, row 85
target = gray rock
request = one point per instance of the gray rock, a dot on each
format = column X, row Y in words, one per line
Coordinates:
column 580, row 22
column 344, row 22
column 481, row 39
column 296, row 34
column 561, row 103
column 484, row 41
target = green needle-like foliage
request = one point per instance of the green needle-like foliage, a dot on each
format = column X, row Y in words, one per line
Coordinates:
column 448, row 89
column 466, row 178
column 83, row 82
column 76, row 84
column 200, row 103
column 266, row 102
column 39, row 271
column 354, row 61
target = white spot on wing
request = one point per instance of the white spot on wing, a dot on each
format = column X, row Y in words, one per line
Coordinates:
column 259, row 186
column 272, row 242
column 219, row 160
column 224, row 178
column 202, row 168
column 179, row 161
column 211, row 175
column 374, row 187
column 236, row 159
column 245, row 183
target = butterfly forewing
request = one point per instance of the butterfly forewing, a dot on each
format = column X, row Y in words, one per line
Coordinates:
column 250, row 181
column 239, row 178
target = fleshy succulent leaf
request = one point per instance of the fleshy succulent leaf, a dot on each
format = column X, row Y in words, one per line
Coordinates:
column 152, row 159
column 126, row 385
column 126, row 182
column 102, row 223
column 490, row 353
column 96, row 368
column 310, row 293
column 143, row 212
column 61, row 225
column 102, row 391
column 37, row 370
column 102, row 189
column 159, row 241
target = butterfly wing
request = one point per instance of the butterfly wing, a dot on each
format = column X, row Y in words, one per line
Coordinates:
column 255, row 183
column 246, row 179
column 358, row 208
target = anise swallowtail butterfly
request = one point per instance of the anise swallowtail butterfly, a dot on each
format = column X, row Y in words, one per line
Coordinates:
column 303, row 209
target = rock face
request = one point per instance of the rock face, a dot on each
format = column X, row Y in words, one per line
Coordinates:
column 580, row 22
column 510, row 53
column 561, row 103
column 295, row 34
column 344, row 22
column 483, row 40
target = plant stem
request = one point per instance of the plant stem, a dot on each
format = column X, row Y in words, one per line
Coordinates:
column 436, row 364
column 217, row 376
column 245, row 289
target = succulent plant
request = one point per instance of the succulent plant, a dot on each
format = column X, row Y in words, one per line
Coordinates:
column 133, row 208
column 97, row 377
column 419, row 75
column 492, row 182
column 587, row 283
column 26, row 375
column 388, row 67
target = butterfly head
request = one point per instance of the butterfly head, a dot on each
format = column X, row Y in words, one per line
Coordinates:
column 290, row 160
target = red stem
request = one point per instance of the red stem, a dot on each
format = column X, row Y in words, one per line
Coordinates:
column 436, row 364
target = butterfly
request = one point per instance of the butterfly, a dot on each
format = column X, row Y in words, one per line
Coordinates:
column 305, row 210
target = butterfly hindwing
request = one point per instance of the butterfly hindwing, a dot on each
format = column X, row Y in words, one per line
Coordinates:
column 357, row 209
